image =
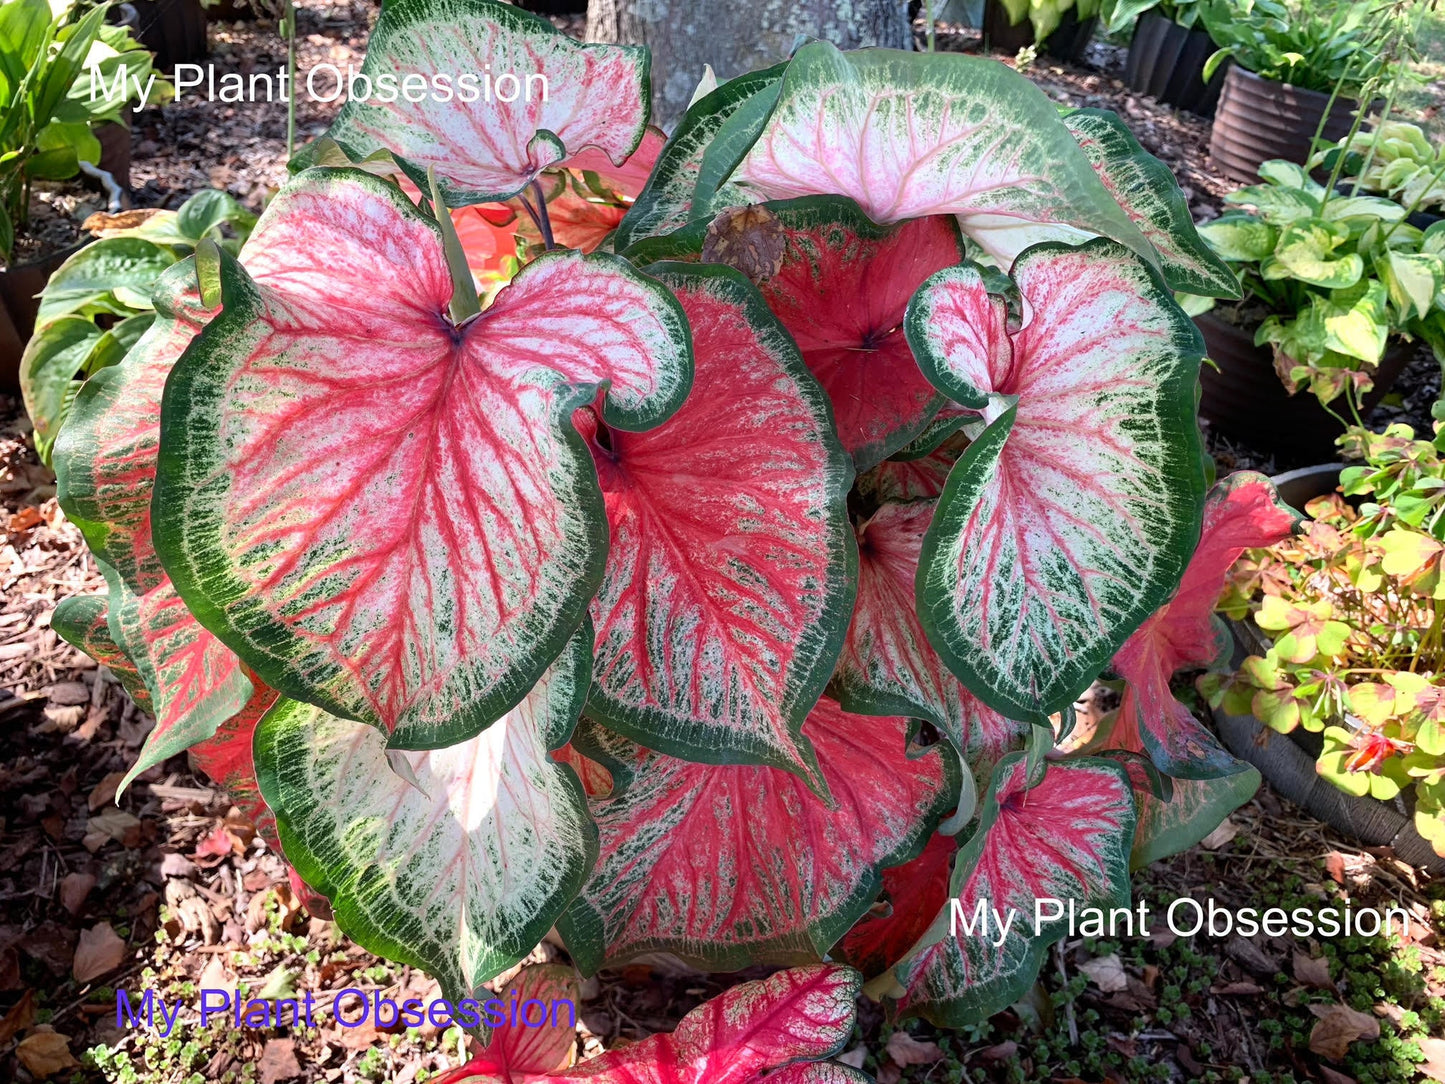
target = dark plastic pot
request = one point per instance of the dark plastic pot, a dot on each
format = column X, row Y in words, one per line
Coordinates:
column 114, row 139
column 12, row 347
column 175, row 30
column 1259, row 119
column 20, row 288
column 1288, row 760
column 1067, row 42
column 1166, row 61
column 1246, row 401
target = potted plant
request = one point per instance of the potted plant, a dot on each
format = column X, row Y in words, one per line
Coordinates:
column 1334, row 288
column 1396, row 159
column 1341, row 626
column 1299, row 68
column 1167, row 52
column 1061, row 28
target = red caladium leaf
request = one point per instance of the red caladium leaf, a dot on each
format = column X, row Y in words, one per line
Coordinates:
column 1066, row 838
column 387, row 515
column 566, row 97
column 1242, row 512
column 629, row 178
column 516, row 1052
column 1147, row 191
column 889, row 667
column 788, row 1018
column 729, row 580
column 910, row 134
column 81, row 621
column 915, row 891
column 456, row 860
column 226, row 757
column 1073, row 514
column 729, row 865
column 596, row 780
column 841, row 292
column 105, row 463
column 911, row 478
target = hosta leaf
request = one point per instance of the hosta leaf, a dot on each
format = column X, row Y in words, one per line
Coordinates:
column 888, row 665
column 1306, row 251
column 915, row 892
column 596, row 96
column 841, row 292
column 730, row 576
column 1242, row 512
column 1240, row 237
column 80, row 621
column 105, row 464
column 787, row 1019
column 912, row 134
column 386, row 515
column 1146, row 189
column 1413, row 280
column 459, row 859
column 665, row 203
column 1072, row 516
column 1067, row 838
column 729, row 865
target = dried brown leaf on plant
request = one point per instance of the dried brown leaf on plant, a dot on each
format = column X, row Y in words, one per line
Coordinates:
column 99, row 952
column 1337, row 1027
column 45, row 1052
column 1221, row 836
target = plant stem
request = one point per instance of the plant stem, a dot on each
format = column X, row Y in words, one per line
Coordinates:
column 928, row 15
column 288, row 26
column 540, row 216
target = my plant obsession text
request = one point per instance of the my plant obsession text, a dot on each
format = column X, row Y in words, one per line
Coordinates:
column 687, row 542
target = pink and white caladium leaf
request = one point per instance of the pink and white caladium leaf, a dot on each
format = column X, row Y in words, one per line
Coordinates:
column 888, row 667
column 786, row 1022
column 567, row 97
column 456, row 860
column 629, row 178
column 1241, row 512
column 730, row 576
column 81, row 621
column 385, row 514
column 915, row 892
column 908, row 135
column 105, row 463
column 1149, row 194
column 665, row 202
column 226, row 757
column 1173, row 819
column 1072, row 516
column 907, row 477
column 841, row 291
column 726, row 865
column 1064, row 836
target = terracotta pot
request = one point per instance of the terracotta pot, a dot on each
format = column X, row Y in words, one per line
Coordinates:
column 1288, row 760
column 175, row 30
column 1166, row 61
column 1067, row 42
column 1259, row 119
column 1246, row 401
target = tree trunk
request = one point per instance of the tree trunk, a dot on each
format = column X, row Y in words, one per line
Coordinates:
column 736, row 36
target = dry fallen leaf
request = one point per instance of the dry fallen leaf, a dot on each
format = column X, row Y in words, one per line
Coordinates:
column 99, row 951
column 1337, row 1027
column 278, row 1061
column 855, row 1057
column 905, row 1050
column 1226, row 831
column 74, row 887
column 45, row 1052
column 1312, row 971
column 105, row 790
column 22, row 1015
column 1107, row 973
column 1329, row 1076
column 1434, row 1064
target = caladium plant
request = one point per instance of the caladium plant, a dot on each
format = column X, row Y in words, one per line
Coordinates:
column 542, row 522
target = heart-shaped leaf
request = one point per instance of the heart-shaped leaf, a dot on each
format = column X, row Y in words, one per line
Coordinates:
column 1071, row 518
column 385, row 514
column 908, row 135
column 888, row 666
column 729, row 865
column 730, row 576
column 81, row 621
column 519, row 1051
column 565, row 96
column 787, row 1019
column 1066, row 838
column 915, row 892
column 456, row 860
column 1171, row 824
column 1146, row 189
column 105, row 463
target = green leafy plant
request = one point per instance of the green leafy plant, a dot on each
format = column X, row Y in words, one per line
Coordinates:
column 1118, row 15
column 1329, row 280
column 97, row 305
column 1314, row 44
column 1353, row 613
column 1045, row 15
column 1395, row 159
